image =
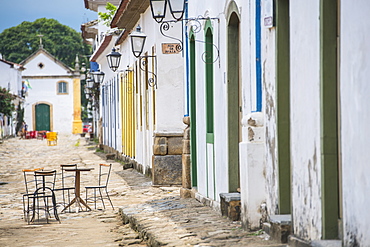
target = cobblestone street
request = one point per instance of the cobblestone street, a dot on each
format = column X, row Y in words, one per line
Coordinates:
column 158, row 215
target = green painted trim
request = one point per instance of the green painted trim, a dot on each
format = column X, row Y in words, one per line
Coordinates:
column 193, row 110
column 283, row 104
column 329, row 116
column 208, row 26
column 210, row 138
column 233, row 100
column 209, row 79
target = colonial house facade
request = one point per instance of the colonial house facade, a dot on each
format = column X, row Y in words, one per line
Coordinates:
column 54, row 102
column 276, row 96
column 141, row 103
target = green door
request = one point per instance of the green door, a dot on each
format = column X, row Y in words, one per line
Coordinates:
column 42, row 117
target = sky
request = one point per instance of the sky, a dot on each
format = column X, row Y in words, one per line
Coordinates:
column 71, row 13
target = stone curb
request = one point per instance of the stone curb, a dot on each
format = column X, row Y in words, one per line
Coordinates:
column 144, row 235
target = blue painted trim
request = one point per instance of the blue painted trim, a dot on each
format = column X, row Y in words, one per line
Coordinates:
column 187, row 68
column 258, row 57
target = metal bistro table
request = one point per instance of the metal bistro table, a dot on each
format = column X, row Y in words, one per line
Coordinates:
column 77, row 198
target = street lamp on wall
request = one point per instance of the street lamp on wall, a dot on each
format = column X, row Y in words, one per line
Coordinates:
column 114, row 58
column 89, row 83
column 158, row 8
column 98, row 76
column 177, row 8
column 137, row 41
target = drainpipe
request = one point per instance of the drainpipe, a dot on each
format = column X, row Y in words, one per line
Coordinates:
column 186, row 54
column 258, row 57
column 185, row 191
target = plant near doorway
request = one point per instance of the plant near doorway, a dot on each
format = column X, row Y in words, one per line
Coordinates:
column 7, row 106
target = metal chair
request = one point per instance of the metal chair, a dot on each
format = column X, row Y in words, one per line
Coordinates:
column 30, row 183
column 43, row 199
column 67, row 183
column 104, row 173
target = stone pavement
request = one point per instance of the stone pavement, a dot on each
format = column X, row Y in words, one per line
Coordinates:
column 143, row 215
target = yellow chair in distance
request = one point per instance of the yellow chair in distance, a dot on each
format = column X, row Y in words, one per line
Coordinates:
column 52, row 138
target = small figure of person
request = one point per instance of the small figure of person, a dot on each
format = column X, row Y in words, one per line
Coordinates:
column 24, row 130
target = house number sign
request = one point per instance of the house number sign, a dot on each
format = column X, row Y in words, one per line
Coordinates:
column 171, row 48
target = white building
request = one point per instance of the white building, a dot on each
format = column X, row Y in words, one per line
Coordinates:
column 142, row 102
column 11, row 79
column 54, row 102
column 276, row 92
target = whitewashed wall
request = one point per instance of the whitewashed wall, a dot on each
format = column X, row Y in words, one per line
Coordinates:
column 217, row 152
column 169, row 94
column 269, row 105
column 252, row 155
column 305, row 118
column 10, row 76
column 110, row 110
column 355, row 116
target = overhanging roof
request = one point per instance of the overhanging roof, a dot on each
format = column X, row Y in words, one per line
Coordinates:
column 101, row 48
column 13, row 65
column 93, row 4
column 128, row 14
column 89, row 30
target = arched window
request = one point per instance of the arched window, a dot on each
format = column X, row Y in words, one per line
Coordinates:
column 62, row 87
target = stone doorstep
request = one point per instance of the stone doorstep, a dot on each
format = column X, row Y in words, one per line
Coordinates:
column 230, row 205
column 279, row 227
column 297, row 242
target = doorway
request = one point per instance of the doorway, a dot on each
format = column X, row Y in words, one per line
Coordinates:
column 329, row 79
column 233, row 100
column 283, row 104
column 42, row 119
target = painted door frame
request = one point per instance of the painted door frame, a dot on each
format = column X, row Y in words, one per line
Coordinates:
column 233, row 97
column 193, row 111
column 209, row 97
column 283, row 104
column 50, row 115
column 329, row 18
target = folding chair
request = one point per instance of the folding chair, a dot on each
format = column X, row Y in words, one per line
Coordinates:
column 104, row 173
column 67, row 183
column 43, row 199
column 30, row 183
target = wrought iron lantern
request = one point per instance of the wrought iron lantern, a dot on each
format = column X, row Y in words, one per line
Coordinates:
column 177, row 8
column 137, row 41
column 98, row 76
column 114, row 58
column 158, row 8
column 89, row 83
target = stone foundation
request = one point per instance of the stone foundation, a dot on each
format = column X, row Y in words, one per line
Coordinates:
column 230, row 205
column 167, row 159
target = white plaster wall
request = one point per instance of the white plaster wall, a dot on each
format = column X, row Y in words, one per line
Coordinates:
column 10, row 77
column 269, row 104
column 111, row 112
column 211, row 158
column 355, row 116
column 50, row 67
column 305, row 118
column 45, row 90
column 169, row 94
